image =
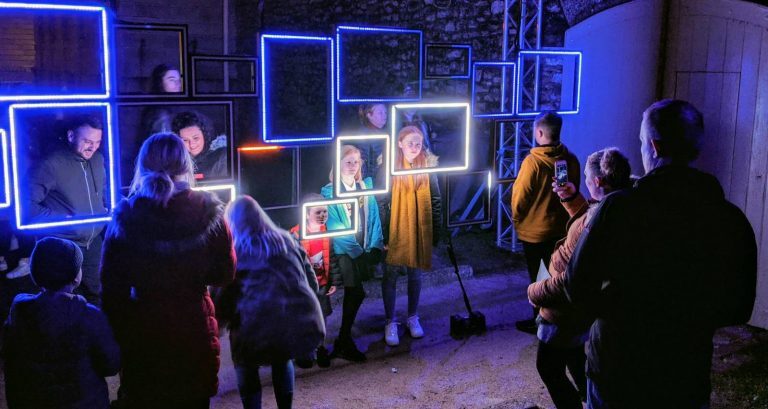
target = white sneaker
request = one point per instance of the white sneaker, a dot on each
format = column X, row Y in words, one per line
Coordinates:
column 390, row 334
column 23, row 269
column 414, row 327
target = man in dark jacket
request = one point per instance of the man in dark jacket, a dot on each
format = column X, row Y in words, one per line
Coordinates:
column 71, row 183
column 661, row 266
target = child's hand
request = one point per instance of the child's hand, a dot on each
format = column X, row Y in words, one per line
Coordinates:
column 331, row 290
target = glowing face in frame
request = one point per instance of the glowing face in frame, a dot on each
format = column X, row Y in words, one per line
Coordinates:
column 352, row 140
column 307, row 235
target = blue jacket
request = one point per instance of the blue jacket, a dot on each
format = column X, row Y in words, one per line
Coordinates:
column 337, row 219
column 57, row 350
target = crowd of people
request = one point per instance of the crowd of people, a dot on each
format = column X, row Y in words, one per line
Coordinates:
column 635, row 284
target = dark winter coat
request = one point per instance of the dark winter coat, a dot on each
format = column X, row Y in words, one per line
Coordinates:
column 65, row 185
column 271, row 309
column 57, row 351
column 156, row 265
column 661, row 266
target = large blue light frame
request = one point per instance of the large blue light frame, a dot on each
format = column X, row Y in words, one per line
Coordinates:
column 15, row 163
column 339, row 29
column 6, row 177
column 502, row 65
column 449, row 45
column 537, row 53
column 105, row 41
column 265, row 91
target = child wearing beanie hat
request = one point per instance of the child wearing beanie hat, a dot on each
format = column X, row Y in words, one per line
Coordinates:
column 57, row 347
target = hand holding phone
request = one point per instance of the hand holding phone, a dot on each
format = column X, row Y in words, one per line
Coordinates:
column 561, row 172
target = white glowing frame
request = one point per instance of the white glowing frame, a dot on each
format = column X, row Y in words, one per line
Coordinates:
column 337, row 167
column 15, row 164
column 265, row 93
column 6, row 177
column 213, row 188
column 520, row 69
column 104, row 47
column 305, row 235
column 394, row 131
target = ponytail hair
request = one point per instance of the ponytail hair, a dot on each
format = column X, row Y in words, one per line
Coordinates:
column 163, row 160
column 612, row 167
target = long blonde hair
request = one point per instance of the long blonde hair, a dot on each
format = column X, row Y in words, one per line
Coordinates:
column 255, row 234
column 163, row 159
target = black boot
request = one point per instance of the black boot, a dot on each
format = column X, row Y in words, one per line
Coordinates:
column 345, row 348
column 323, row 359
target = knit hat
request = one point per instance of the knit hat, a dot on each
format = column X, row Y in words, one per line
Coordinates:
column 55, row 262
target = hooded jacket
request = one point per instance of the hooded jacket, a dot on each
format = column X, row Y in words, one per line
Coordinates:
column 156, row 265
column 57, row 350
column 536, row 210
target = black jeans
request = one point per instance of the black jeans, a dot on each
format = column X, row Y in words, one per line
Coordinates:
column 535, row 253
column 90, row 286
column 551, row 363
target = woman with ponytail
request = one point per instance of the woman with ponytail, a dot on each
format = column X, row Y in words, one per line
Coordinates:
column 562, row 329
column 166, row 243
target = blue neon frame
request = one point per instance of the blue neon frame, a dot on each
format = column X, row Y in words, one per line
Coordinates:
column 287, row 139
column 105, row 47
column 15, row 163
column 443, row 45
column 6, row 171
column 515, row 78
column 348, row 99
column 519, row 98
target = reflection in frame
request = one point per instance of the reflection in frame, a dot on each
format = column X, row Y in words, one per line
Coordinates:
column 275, row 164
column 6, row 180
column 54, row 52
column 205, row 127
column 151, row 60
column 468, row 198
column 223, row 76
column 493, row 89
column 447, row 60
column 62, row 164
column 378, row 143
column 437, row 131
column 548, row 80
column 351, row 204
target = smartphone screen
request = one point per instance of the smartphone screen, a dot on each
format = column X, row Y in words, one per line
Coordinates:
column 561, row 172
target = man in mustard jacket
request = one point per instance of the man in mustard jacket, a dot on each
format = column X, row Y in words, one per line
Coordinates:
column 536, row 211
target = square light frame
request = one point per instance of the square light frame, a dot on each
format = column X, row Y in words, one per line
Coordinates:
column 513, row 95
column 265, row 89
column 296, row 157
column 337, row 167
column 519, row 97
column 339, row 29
column 488, row 210
column 468, row 47
column 105, row 52
column 111, row 162
column 346, row 232
column 394, row 131
column 225, row 58
column 6, row 171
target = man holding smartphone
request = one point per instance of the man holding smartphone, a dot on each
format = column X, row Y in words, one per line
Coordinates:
column 538, row 217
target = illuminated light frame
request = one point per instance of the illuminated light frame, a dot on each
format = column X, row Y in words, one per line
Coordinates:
column 339, row 29
column 487, row 209
column 295, row 171
column 350, row 231
column 6, row 171
column 211, row 188
column 519, row 97
column 259, row 148
column 502, row 65
column 225, row 59
column 107, row 67
column 265, row 89
column 337, row 167
column 15, row 163
column 394, row 132
column 449, row 45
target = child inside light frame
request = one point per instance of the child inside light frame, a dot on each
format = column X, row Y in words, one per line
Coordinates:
column 307, row 235
column 349, row 140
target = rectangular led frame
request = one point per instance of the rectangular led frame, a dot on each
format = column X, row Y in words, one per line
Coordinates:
column 394, row 131
column 337, row 168
column 514, row 77
column 257, row 150
column 577, row 85
column 475, row 198
column 312, row 236
column 229, row 123
column 467, row 71
column 268, row 138
column 182, row 58
column 348, row 99
column 6, row 171
column 224, row 58
column 214, row 188
column 15, row 169
column 105, row 49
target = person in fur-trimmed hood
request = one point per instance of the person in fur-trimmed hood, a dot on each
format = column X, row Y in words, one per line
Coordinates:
column 165, row 245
